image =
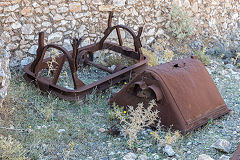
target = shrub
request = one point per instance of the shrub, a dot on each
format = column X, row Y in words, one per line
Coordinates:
column 109, row 58
column 168, row 55
column 180, row 24
column 136, row 120
column 169, row 138
column 205, row 59
column 153, row 59
column 11, row 149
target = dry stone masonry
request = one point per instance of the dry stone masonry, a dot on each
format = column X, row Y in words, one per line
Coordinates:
column 4, row 74
column 21, row 20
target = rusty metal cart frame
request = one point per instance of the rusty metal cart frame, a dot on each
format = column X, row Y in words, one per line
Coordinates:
column 84, row 56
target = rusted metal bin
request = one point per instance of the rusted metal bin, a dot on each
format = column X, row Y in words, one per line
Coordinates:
column 185, row 93
column 236, row 155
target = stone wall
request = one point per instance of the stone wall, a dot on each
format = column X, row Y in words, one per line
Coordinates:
column 21, row 20
column 4, row 74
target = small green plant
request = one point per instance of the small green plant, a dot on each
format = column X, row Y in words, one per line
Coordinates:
column 161, row 47
column 234, row 60
column 111, row 113
column 136, row 120
column 153, row 59
column 168, row 55
column 11, row 149
column 109, row 58
column 180, row 24
column 205, row 59
column 52, row 62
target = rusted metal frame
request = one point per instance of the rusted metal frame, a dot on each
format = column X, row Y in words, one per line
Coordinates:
column 85, row 55
column 77, row 83
column 102, row 84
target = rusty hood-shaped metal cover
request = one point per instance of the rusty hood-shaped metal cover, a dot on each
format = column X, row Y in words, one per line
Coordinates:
column 185, row 93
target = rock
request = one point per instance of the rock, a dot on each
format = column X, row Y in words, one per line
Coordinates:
column 67, row 44
column 155, row 156
column 9, row 20
column 131, row 1
column 61, row 130
column 5, row 37
column 57, row 17
column 4, row 74
column 54, row 37
column 204, row 157
column 150, row 40
column 16, row 25
column 12, row 8
column 12, row 46
column 46, row 24
column 224, row 157
column 222, row 145
column 97, row 2
column 229, row 66
column 104, row 8
column 195, row 7
column 189, row 143
column 19, row 54
column 102, row 129
column 35, row 4
column 168, row 149
column 151, row 32
column 142, row 157
column 119, row 3
column 33, row 49
column 62, row 10
column 160, row 32
column 75, row 7
column 130, row 156
column 27, row 11
column 26, row 61
column 27, row 29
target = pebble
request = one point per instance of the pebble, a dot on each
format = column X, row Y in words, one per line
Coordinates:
column 102, row 129
column 130, row 156
column 61, row 130
column 229, row 66
column 222, row 145
column 26, row 61
column 224, row 157
column 169, row 150
column 155, row 156
column 204, row 157
column 189, row 143
column 142, row 157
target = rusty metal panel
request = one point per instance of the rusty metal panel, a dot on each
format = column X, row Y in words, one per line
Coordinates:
column 236, row 155
column 185, row 92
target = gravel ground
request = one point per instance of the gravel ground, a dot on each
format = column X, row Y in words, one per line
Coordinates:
column 81, row 125
column 198, row 142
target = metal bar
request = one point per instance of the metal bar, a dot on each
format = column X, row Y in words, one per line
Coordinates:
column 119, row 37
column 99, row 66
